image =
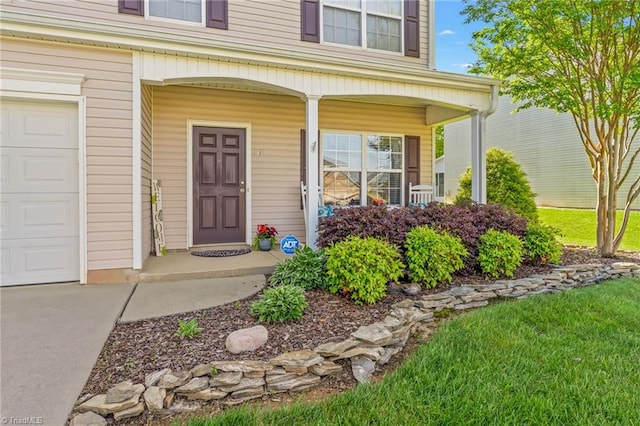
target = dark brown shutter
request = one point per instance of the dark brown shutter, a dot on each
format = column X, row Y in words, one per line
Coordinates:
column 132, row 7
column 303, row 159
column 217, row 14
column 411, row 163
column 310, row 20
column 412, row 28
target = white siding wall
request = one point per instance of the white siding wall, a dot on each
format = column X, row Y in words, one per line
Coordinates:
column 275, row 151
column 108, row 135
column 545, row 143
column 270, row 23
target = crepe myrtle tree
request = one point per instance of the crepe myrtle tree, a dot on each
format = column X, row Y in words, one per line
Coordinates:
column 580, row 57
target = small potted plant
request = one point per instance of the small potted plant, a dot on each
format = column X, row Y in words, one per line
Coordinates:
column 265, row 237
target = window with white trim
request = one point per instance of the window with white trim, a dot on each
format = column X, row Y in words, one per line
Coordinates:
column 179, row 10
column 374, row 24
column 440, row 184
column 362, row 169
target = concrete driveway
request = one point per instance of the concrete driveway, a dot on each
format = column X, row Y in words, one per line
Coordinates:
column 52, row 334
column 50, row 338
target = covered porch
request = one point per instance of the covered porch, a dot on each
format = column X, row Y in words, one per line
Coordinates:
column 287, row 115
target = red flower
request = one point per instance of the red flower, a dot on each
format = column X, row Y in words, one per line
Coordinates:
column 265, row 231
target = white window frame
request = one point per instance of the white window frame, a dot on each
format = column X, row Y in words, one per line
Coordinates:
column 364, row 169
column 363, row 26
column 174, row 20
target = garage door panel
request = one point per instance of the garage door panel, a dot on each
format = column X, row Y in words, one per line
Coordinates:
column 39, row 209
column 4, row 168
column 45, row 125
column 40, row 170
column 39, row 216
column 46, row 260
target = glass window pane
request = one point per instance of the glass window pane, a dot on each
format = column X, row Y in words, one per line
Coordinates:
column 341, row 26
column 383, row 33
column 342, row 142
column 184, row 10
column 396, row 161
column 390, row 7
column 384, row 187
column 341, row 188
column 353, row 4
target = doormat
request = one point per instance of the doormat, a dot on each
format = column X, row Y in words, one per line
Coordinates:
column 221, row 253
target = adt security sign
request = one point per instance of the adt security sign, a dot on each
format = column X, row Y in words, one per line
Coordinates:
column 289, row 244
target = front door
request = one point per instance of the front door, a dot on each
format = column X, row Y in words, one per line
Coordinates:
column 218, row 185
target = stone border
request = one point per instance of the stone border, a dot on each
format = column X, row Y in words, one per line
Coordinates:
column 166, row 392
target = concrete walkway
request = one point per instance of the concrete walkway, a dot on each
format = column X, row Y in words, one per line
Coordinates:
column 52, row 334
column 165, row 298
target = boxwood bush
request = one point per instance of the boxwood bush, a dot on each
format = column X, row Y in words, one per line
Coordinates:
column 279, row 304
column 500, row 253
column 306, row 269
column 433, row 256
column 541, row 244
column 361, row 268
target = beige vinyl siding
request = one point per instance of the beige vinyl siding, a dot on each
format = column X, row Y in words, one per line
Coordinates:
column 107, row 89
column 545, row 143
column 380, row 119
column 275, row 121
column 266, row 23
column 147, row 134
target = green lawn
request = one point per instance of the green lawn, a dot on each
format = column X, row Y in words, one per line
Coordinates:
column 567, row 359
column 579, row 226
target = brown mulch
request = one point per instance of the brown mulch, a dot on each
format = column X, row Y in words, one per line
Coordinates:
column 137, row 348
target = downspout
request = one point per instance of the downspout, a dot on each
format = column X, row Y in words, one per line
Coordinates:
column 431, row 60
column 478, row 154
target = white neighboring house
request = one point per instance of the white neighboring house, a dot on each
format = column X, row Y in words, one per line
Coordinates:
column 545, row 143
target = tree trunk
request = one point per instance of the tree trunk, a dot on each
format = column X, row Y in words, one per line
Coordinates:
column 606, row 217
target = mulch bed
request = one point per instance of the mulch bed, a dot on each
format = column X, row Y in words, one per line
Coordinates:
column 138, row 348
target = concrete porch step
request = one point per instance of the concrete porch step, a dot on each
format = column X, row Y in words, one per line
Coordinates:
column 184, row 266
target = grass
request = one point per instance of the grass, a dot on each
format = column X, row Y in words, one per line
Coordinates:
column 566, row 359
column 579, row 226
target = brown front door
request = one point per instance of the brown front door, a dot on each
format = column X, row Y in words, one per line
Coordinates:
column 218, row 185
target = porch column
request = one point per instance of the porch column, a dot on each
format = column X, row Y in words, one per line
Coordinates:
column 313, row 199
column 478, row 159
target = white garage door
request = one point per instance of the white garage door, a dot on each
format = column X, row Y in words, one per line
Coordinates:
column 39, row 232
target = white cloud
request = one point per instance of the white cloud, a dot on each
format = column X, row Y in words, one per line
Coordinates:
column 446, row 32
column 463, row 66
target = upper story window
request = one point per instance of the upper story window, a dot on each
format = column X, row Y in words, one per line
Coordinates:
column 210, row 13
column 384, row 25
column 374, row 24
column 181, row 10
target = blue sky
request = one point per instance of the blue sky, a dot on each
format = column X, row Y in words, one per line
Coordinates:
column 453, row 53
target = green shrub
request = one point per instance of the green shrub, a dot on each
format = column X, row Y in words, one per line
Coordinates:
column 499, row 253
column 432, row 256
column 541, row 245
column 507, row 184
column 305, row 269
column 188, row 329
column 280, row 304
column 362, row 267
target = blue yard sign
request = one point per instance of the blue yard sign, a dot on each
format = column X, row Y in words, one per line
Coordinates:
column 289, row 244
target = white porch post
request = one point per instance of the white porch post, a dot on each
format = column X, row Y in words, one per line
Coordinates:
column 478, row 159
column 312, row 170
